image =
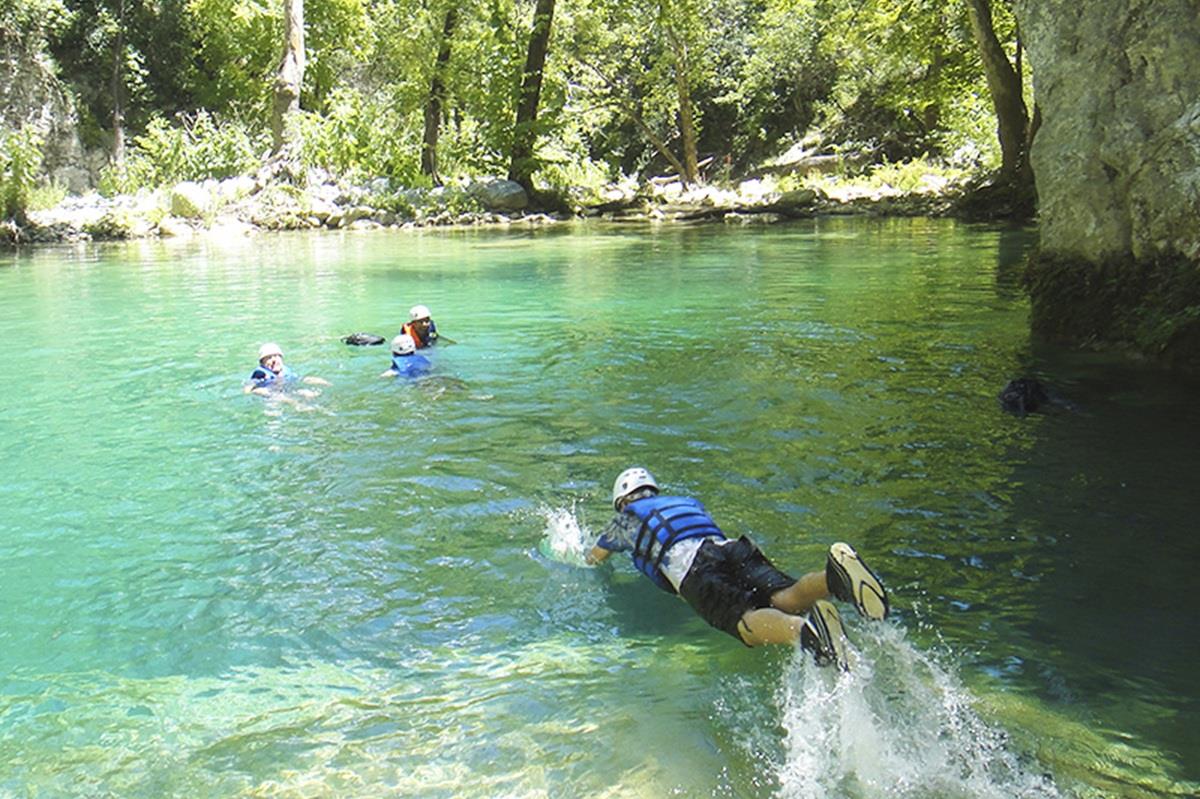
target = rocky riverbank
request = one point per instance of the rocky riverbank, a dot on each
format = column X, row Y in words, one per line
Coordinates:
column 249, row 205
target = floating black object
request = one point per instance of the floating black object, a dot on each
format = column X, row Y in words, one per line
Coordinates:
column 362, row 340
column 1023, row 395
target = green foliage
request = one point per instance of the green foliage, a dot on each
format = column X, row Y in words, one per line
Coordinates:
column 20, row 162
column 37, row 17
column 787, row 74
column 46, row 195
column 362, row 137
column 904, row 69
column 900, row 77
column 565, row 166
column 912, row 176
column 237, row 43
column 337, row 38
column 196, row 148
column 397, row 203
column 147, row 44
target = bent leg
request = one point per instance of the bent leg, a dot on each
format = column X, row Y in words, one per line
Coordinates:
column 769, row 626
column 800, row 595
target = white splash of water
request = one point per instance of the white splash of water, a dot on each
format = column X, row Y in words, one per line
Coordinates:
column 898, row 725
column 564, row 539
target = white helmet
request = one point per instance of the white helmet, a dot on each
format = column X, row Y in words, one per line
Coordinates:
column 267, row 350
column 631, row 480
column 418, row 312
column 403, row 344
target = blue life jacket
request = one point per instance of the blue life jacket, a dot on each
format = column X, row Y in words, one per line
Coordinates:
column 413, row 365
column 667, row 521
column 262, row 377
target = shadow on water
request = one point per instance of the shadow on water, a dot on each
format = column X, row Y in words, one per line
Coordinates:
column 1109, row 485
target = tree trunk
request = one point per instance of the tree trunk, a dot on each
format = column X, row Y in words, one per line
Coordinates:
column 289, row 78
column 437, row 94
column 1005, row 86
column 525, row 135
column 687, row 123
column 118, row 93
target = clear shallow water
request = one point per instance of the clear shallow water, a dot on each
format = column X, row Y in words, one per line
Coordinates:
column 208, row 594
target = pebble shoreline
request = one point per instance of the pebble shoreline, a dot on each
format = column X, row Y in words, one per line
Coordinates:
column 247, row 206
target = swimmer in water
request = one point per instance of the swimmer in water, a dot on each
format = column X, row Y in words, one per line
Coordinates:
column 730, row 583
column 272, row 375
column 421, row 327
column 406, row 361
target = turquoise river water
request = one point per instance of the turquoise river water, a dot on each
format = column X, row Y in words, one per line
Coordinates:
column 376, row 591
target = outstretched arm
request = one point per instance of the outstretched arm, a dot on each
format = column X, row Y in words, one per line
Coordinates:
column 617, row 537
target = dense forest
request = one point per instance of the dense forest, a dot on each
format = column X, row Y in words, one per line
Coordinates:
column 568, row 93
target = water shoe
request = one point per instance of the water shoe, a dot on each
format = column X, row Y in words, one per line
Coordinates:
column 850, row 580
column 822, row 635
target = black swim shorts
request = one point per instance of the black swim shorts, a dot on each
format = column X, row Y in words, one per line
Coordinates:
column 726, row 581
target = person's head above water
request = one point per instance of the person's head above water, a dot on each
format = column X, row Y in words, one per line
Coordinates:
column 403, row 344
column 270, row 356
column 634, row 480
column 418, row 313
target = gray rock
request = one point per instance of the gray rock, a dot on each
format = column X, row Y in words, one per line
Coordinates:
column 32, row 95
column 500, row 195
column 233, row 189
column 352, row 215
column 229, row 227
column 735, row 218
column 190, row 200
column 74, row 178
column 173, row 227
column 800, row 198
column 1117, row 157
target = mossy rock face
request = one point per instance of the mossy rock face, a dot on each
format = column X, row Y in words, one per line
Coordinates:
column 1151, row 307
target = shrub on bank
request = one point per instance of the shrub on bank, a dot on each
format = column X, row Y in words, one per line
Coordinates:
column 362, row 138
column 20, row 163
column 197, row 147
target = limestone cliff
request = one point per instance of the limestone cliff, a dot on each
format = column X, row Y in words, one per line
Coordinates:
column 31, row 94
column 1117, row 157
